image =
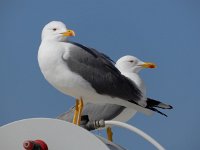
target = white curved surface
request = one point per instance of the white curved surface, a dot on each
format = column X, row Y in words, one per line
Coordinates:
column 56, row 133
column 137, row 131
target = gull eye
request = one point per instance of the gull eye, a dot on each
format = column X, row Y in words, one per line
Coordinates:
column 54, row 29
column 131, row 61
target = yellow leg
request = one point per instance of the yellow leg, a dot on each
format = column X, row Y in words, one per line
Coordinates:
column 80, row 109
column 76, row 112
column 109, row 134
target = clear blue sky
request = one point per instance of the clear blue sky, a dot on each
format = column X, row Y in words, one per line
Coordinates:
column 166, row 32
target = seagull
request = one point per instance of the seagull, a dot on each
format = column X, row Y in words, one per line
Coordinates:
column 84, row 73
column 129, row 66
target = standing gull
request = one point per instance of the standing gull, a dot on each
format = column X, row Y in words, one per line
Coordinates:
column 84, row 73
column 129, row 66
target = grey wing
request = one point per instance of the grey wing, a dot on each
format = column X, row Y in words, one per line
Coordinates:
column 100, row 72
column 99, row 112
column 93, row 112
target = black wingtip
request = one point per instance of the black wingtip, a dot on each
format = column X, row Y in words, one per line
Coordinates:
column 156, row 110
column 170, row 107
column 155, row 103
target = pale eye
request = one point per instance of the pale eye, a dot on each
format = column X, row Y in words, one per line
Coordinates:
column 131, row 61
column 54, row 29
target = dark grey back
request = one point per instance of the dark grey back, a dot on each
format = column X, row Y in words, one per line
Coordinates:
column 100, row 72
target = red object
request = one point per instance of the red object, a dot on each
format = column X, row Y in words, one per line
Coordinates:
column 28, row 145
column 37, row 144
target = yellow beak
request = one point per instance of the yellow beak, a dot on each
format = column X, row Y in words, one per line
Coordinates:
column 148, row 65
column 69, row 33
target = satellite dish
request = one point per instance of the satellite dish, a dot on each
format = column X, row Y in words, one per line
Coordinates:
column 57, row 135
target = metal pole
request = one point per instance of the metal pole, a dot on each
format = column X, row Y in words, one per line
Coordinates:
column 137, row 131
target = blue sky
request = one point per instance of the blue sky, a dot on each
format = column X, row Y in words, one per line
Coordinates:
column 164, row 32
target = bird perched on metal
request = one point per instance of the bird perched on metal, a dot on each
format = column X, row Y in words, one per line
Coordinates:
column 84, row 73
column 130, row 67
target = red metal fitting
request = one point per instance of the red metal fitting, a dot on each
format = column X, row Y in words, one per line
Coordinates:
column 35, row 145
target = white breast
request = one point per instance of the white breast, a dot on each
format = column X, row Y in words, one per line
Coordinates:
column 56, row 71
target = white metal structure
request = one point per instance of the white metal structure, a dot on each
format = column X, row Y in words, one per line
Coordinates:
column 57, row 135
column 137, row 131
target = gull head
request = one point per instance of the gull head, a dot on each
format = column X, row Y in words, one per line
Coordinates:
column 132, row 64
column 56, row 31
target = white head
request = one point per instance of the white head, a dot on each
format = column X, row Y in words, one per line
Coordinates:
column 132, row 64
column 56, row 31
